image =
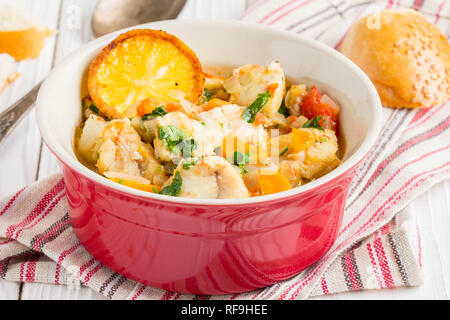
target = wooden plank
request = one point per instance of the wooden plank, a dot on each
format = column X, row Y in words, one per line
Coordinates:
column 19, row 153
column 9, row 290
column 40, row 291
column 74, row 31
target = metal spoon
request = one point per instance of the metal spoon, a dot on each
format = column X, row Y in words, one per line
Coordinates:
column 110, row 15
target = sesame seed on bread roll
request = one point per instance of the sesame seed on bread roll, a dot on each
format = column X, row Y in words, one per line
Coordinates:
column 405, row 56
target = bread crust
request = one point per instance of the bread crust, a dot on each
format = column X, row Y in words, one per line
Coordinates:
column 405, row 56
column 25, row 43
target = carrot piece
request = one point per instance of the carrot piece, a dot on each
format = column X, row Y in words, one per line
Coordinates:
column 144, row 107
column 292, row 119
column 301, row 139
column 272, row 87
column 214, row 103
column 172, row 106
column 137, row 185
column 273, row 183
column 259, row 119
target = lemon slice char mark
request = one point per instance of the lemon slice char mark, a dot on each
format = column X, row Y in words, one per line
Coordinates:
column 142, row 64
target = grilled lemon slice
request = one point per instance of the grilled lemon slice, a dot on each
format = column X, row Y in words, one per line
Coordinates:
column 143, row 64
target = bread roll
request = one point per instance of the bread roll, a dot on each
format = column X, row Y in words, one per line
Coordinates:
column 405, row 56
column 19, row 37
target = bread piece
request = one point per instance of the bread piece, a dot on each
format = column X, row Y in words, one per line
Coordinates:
column 7, row 71
column 405, row 56
column 19, row 37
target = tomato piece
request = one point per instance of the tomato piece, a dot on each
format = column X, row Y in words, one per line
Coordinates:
column 312, row 106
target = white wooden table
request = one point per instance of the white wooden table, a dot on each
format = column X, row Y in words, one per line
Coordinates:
column 24, row 159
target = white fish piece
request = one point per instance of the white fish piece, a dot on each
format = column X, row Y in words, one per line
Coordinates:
column 313, row 162
column 226, row 121
column 91, row 138
column 123, row 151
column 250, row 80
column 205, row 139
column 211, row 178
column 294, row 98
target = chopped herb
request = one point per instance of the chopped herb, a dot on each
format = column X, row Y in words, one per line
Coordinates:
column 171, row 135
column 324, row 140
column 120, row 181
column 313, row 123
column 284, row 151
column 207, row 95
column 251, row 111
column 175, row 187
column 221, row 125
column 187, row 165
column 177, row 140
column 203, row 123
column 186, row 147
column 239, row 159
column 283, row 109
column 154, row 190
column 157, row 112
column 94, row 109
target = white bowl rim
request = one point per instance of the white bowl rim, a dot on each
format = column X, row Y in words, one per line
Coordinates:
column 70, row 161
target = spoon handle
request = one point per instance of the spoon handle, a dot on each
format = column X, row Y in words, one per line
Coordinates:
column 12, row 116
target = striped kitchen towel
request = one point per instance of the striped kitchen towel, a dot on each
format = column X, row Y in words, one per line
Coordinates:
column 378, row 245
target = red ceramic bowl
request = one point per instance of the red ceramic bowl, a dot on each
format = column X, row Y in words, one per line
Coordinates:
column 213, row 246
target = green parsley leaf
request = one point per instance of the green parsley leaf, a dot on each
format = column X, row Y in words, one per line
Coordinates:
column 187, row 165
column 120, row 181
column 284, row 151
column 171, row 135
column 157, row 112
column 177, row 140
column 313, row 123
column 175, row 187
column 186, row 147
column 284, row 110
column 240, row 159
column 94, row 108
column 251, row 111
